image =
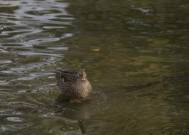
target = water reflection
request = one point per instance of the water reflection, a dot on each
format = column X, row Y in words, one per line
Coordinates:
column 74, row 112
column 80, row 112
column 31, row 43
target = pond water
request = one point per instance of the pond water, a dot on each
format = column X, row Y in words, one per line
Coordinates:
column 135, row 54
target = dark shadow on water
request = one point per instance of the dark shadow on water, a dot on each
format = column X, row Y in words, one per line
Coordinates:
column 82, row 111
column 74, row 111
column 81, row 125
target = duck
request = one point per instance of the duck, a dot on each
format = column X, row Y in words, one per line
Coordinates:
column 73, row 84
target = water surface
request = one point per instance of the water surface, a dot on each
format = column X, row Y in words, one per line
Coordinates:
column 135, row 54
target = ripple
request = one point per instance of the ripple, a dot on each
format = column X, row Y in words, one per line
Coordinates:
column 40, row 54
column 9, row 3
column 68, row 35
column 26, row 78
column 5, row 61
column 31, row 44
column 3, row 128
column 15, row 119
column 3, row 51
column 34, row 76
column 40, row 8
column 53, row 27
column 3, row 82
column 58, row 48
column 26, row 33
column 41, row 40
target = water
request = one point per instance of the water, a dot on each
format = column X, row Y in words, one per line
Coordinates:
column 135, row 54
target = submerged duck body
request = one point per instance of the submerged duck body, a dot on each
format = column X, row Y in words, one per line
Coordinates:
column 73, row 84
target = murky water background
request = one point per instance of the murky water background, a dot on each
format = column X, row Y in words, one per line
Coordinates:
column 135, row 54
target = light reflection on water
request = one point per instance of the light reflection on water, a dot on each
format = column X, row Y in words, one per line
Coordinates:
column 31, row 43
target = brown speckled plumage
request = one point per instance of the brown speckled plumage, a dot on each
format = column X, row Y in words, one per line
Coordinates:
column 73, row 84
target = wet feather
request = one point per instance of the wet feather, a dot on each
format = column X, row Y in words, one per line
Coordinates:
column 73, row 84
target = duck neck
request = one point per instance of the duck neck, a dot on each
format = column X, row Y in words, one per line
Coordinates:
column 83, row 79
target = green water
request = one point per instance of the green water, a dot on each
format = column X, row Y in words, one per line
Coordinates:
column 135, row 54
